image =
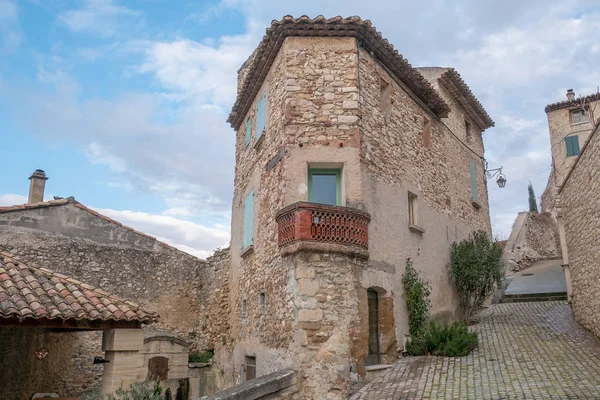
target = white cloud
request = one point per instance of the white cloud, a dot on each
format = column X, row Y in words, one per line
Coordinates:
column 99, row 17
column 12, row 199
column 196, row 239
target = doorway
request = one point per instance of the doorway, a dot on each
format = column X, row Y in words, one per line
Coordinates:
column 374, row 354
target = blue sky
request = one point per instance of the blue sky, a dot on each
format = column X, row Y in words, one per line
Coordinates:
column 124, row 103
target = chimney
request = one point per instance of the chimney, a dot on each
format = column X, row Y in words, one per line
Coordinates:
column 36, row 187
column 570, row 95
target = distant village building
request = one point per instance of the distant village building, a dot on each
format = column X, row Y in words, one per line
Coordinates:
column 189, row 294
column 349, row 162
column 570, row 123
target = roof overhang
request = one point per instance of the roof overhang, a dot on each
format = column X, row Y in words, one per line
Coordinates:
column 355, row 27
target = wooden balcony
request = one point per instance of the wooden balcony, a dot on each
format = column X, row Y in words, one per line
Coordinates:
column 324, row 224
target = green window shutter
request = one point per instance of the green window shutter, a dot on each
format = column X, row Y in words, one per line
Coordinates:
column 248, row 220
column 474, row 193
column 572, row 143
column 248, row 131
column 260, row 115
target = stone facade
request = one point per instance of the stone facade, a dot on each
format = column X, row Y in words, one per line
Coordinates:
column 190, row 295
column 304, row 305
column 561, row 126
column 579, row 221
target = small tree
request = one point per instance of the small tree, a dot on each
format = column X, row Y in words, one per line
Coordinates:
column 416, row 294
column 532, row 201
column 475, row 268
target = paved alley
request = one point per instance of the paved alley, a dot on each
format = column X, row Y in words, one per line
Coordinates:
column 530, row 350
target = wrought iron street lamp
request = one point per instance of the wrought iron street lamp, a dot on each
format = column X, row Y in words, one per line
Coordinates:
column 490, row 173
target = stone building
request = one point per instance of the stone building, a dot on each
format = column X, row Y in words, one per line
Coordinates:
column 349, row 162
column 190, row 294
column 578, row 210
column 570, row 123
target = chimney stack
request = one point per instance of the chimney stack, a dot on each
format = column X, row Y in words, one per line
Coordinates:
column 570, row 95
column 36, row 187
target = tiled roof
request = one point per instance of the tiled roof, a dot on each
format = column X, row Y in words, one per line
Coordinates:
column 35, row 293
column 71, row 200
column 460, row 91
column 569, row 103
column 355, row 27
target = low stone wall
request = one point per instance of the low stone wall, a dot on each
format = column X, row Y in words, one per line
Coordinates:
column 534, row 237
column 579, row 211
column 276, row 385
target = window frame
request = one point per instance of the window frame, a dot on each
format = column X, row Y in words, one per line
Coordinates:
column 585, row 114
column 413, row 209
column 247, row 219
column 250, row 364
column 326, row 171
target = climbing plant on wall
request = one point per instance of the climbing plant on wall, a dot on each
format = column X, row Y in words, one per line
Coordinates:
column 416, row 294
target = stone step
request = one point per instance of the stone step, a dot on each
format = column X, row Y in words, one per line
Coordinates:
column 521, row 298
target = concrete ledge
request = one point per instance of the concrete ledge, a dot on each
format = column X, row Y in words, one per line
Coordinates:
column 375, row 371
column 257, row 388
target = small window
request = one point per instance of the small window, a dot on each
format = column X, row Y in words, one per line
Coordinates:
column 412, row 209
column 244, row 309
column 248, row 220
column 473, row 173
column 572, row 143
column 263, row 303
column 578, row 116
column 468, row 131
column 325, row 186
column 426, row 132
column 261, row 110
column 250, row 368
column 248, row 131
column 385, row 97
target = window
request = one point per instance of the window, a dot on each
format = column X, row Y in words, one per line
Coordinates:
column 261, row 110
column 412, row 209
column 578, row 116
column 324, row 186
column 248, row 131
column 572, row 143
column 248, row 220
column 250, row 368
column 474, row 194
column 263, row 303
column 468, row 131
column 385, row 97
column 244, row 309
column 426, row 132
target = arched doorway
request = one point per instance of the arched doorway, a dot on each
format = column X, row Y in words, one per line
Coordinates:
column 374, row 352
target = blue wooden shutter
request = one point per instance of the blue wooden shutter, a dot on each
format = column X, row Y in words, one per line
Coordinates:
column 248, row 131
column 248, row 220
column 572, row 143
column 474, row 193
column 260, row 115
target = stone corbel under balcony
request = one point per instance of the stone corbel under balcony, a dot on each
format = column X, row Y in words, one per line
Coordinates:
column 323, row 228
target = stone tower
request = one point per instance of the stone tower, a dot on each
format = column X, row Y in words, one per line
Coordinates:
column 349, row 161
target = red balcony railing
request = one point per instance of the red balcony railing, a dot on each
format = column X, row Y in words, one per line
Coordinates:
column 323, row 223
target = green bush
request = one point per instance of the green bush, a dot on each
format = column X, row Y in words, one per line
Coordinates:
column 475, row 268
column 443, row 340
column 198, row 357
column 416, row 294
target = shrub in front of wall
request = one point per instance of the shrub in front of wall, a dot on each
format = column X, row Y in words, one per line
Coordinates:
column 475, row 269
column 444, row 340
column 198, row 357
column 416, row 294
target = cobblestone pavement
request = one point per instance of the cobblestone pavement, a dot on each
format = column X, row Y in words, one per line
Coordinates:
column 525, row 351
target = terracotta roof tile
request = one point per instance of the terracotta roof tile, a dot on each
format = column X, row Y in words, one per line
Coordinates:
column 569, row 103
column 355, row 27
column 29, row 292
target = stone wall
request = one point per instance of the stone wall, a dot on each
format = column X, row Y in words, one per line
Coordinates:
column 23, row 374
column 190, row 295
column 580, row 213
column 534, row 237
